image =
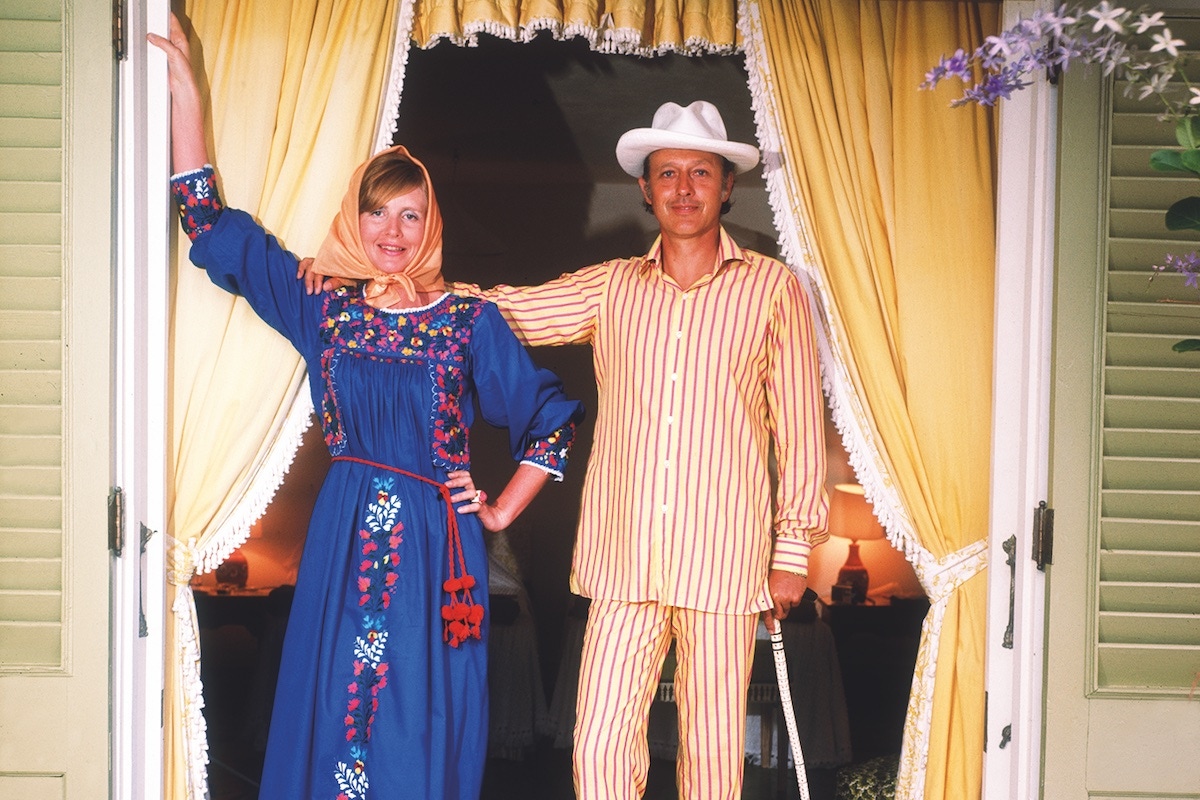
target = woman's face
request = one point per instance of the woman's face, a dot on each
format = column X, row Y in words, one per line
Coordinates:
column 393, row 232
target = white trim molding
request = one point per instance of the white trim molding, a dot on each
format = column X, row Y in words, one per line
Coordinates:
column 1025, row 234
column 140, row 407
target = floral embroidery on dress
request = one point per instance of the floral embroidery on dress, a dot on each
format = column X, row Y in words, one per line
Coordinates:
column 195, row 194
column 449, row 428
column 380, row 539
column 437, row 336
column 550, row 453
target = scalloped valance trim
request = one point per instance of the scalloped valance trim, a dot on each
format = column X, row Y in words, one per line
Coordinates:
column 602, row 37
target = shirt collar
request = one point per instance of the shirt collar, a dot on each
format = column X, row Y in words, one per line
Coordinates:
column 727, row 251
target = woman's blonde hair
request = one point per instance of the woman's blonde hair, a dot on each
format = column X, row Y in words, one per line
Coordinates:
column 388, row 175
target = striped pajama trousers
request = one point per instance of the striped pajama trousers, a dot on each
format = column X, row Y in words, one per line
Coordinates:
column 623, row 651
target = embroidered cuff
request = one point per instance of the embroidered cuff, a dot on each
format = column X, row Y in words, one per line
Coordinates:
column 791, row 554
column 196, row 196
column 550, row 453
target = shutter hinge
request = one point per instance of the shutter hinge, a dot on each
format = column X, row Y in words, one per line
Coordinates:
column 118, row 29
column 1043, row 535
column 116, row 520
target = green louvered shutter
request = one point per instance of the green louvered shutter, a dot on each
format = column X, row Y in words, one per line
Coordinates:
column 1148, row 561
column 31, row 335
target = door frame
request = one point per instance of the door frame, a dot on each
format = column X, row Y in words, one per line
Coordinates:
column 1021, row 379
column 141, row 296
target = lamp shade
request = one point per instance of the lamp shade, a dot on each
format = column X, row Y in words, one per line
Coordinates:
column 851, row 516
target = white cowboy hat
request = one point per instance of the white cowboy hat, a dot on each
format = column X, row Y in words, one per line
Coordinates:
column 697, row 127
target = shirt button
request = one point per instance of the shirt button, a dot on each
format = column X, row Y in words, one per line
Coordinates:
column 678, row 334
column 671, row 420
column 664, row 508
column 672, row 376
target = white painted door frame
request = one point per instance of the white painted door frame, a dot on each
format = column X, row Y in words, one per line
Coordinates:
column 140, row 403
column 1025, row 237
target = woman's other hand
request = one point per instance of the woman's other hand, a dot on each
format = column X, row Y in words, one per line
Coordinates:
column 490, row 516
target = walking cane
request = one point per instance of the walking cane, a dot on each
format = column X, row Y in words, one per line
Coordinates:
column 789, row 714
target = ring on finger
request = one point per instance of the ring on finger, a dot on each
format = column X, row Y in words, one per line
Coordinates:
column 478, row 498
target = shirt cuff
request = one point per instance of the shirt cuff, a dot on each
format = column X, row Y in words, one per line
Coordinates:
column 791, row 554
column 196, row 196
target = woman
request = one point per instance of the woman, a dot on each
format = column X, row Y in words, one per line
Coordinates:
column 383, row 688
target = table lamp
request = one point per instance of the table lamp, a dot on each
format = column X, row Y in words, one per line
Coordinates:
column 850, row 516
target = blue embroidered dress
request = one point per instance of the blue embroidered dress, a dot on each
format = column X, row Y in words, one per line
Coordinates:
column 382, row 690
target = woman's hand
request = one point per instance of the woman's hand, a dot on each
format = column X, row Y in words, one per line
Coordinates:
column 315, row 283
column 179, row 55
column 490, row 516
column 189, row 147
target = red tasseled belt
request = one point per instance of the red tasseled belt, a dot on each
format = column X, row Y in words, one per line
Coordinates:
column 461, row 616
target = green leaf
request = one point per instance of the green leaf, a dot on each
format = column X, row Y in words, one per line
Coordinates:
column 1191, row 160
column 1167, row 161
column 1184, row 215
column 1187, row 132
column 1187, row 345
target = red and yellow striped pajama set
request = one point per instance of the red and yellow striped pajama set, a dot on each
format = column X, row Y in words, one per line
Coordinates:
column 676, row 534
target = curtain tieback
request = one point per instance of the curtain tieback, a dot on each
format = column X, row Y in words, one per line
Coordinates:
column 461, row 616
column 181, row 560
column 942, row 577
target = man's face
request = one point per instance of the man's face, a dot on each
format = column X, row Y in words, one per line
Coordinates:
column 685, row 189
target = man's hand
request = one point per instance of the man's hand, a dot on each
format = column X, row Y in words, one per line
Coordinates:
column 315, row 283
column 787, row 590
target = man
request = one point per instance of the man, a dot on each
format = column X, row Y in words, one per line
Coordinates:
column 704, row 356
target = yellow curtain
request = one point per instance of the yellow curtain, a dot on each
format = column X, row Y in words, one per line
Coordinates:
column 885, row 196
column 294, row 91
column 634, row 27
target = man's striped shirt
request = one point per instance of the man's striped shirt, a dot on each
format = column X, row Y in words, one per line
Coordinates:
column 693, row 387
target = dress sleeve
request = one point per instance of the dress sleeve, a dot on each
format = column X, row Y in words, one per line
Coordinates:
column 561, row 311
column 516, row 394
column 241, row 257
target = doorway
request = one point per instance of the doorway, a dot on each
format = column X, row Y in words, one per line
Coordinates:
column 519, row 139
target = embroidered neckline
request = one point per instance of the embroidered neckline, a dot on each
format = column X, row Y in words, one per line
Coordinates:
column 414, row 309
column 437, row 335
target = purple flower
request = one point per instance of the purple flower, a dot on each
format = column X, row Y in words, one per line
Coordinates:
column 1102, row 33
column 1188, row 266
column 1107, row 17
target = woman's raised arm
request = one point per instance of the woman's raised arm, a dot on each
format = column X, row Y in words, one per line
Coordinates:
column 189, row 149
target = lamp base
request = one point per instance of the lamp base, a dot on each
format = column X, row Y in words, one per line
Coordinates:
column 854, row 574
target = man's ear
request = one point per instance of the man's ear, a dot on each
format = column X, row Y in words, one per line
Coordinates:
column 725, row 195
column 645, row 194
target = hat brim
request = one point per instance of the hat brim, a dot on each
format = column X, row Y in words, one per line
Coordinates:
column 634, row 146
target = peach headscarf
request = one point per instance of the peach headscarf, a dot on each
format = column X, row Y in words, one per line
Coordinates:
column 343, row 255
